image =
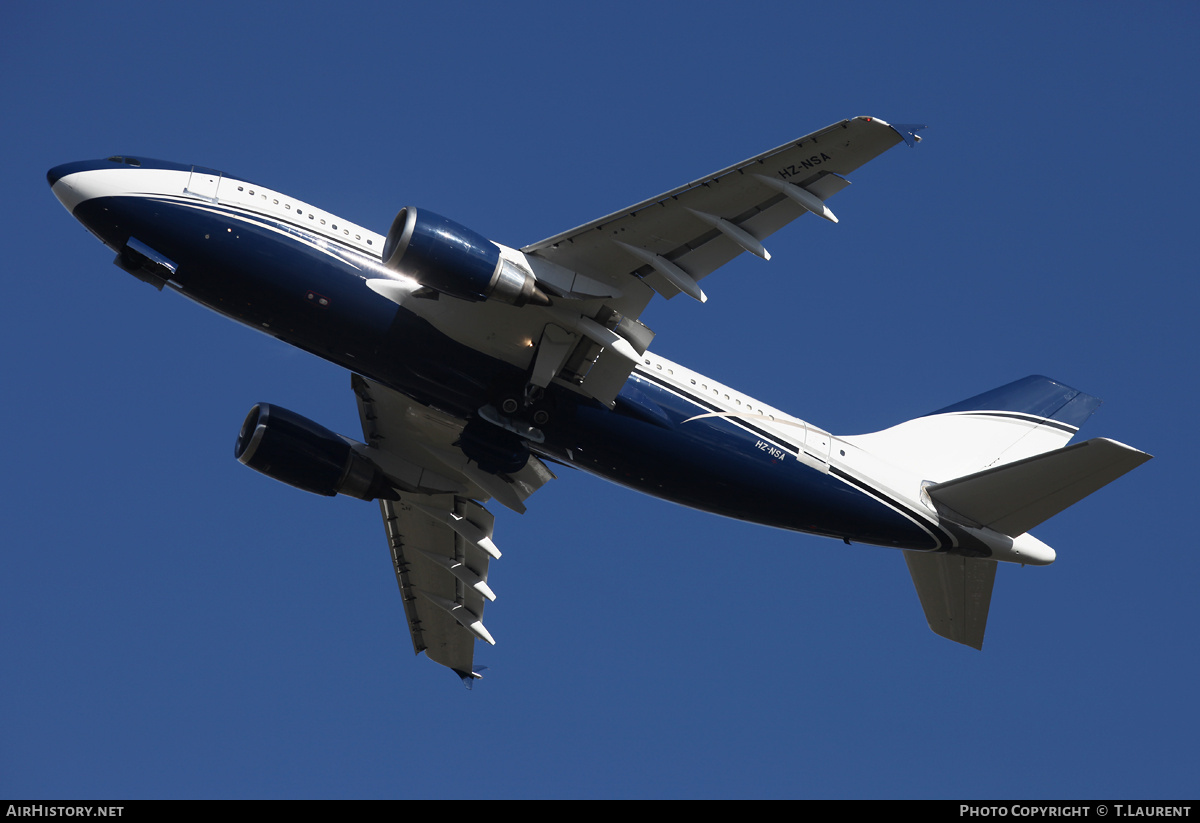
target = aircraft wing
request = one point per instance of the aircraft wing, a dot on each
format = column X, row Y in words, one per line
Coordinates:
column 674, row 240
column 439, row 534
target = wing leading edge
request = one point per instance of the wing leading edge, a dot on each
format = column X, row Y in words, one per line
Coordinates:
column 439, row 533
column 442, row 574
column 674, row 240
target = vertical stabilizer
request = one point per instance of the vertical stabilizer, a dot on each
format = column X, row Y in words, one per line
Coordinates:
column 994, row 466
column 1026, row 417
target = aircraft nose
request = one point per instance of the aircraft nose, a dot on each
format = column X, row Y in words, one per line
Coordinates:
column 57, row 173
column 72, row 184
column 65, row 193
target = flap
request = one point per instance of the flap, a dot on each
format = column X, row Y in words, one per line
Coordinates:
column 440, row 552
column 679, row 237
column 439, row 534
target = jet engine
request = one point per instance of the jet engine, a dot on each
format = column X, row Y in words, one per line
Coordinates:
column 450, row 258
column 294, row 450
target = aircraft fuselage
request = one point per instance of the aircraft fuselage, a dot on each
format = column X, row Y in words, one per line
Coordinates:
column 298, row 273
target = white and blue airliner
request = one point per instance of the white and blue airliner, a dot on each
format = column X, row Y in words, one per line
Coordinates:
column 479, row 367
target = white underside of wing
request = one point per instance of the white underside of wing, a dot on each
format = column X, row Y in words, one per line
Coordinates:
column 439, row 534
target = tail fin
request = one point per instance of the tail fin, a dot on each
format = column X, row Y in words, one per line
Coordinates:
column 1024, row 418
column 999, row 468
column 956, row 591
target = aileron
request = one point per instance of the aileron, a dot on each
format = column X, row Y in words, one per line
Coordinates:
column 440, row 542
column 683, row 235
column 442, row 577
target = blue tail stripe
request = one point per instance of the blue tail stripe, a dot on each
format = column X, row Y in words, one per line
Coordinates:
column 1035, row 395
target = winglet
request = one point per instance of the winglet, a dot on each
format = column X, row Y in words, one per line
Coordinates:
column 469, row 678
column 908, row 131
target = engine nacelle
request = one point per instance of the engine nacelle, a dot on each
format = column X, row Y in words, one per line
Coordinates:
column 450, row 258
column 294, row 450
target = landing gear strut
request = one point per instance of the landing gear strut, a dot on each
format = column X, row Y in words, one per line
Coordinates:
column 523, row 413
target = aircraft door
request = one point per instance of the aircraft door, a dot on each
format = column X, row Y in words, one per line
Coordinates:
column 816, row 446
column 203, row 183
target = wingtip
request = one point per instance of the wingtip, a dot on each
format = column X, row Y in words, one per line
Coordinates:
column 908, row 131
column 469, row 678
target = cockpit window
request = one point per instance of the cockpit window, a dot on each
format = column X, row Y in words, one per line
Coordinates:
column 128, row 161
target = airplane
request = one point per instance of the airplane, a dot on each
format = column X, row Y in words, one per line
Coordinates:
column 479, row 369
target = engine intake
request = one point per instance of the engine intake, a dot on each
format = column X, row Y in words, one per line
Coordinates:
column 294, row 450
column 450, row 258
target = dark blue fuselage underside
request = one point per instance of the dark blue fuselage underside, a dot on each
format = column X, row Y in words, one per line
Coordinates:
column 265, row 273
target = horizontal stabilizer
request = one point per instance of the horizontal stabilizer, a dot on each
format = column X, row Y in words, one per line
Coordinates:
column 1015, row 497
column 955, row 593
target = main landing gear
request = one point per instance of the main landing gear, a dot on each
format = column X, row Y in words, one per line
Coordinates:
column 523, row 412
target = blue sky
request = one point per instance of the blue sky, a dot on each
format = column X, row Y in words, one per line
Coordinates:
column 174, row 625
